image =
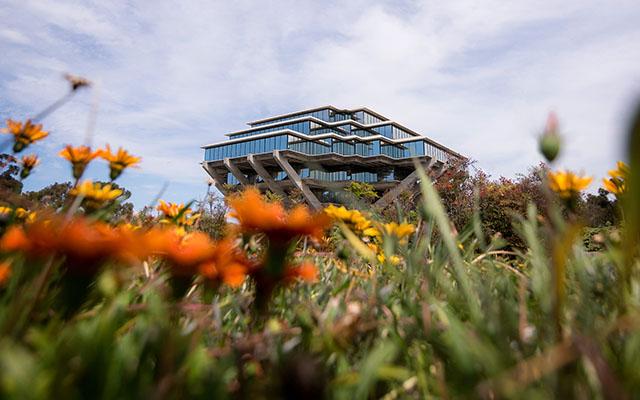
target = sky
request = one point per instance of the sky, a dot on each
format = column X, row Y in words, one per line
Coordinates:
column 477, row 76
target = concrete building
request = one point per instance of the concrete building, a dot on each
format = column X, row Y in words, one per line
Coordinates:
column 320, row 151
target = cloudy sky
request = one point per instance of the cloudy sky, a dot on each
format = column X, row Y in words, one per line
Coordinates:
column 479, row 77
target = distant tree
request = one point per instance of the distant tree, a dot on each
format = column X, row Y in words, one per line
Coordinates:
column 498, row 200
column 455, row 187
column 144, row 217
column 56, row 195
column 362, row 191
column 273, row 197
column 9, row 181
column 213, row 216
column 405, row 209
column 52, row 196
column 598, row 210
column 296, row 196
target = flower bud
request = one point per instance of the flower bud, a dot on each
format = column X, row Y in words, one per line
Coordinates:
column 25, row 172
column 550, row 140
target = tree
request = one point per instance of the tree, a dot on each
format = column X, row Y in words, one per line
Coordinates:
column 362, row 191
column 9, row 181
column 56, row 196
column 52, row 196
column 213, row 218
column 598, row 210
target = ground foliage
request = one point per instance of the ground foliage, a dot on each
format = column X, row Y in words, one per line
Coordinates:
column 91, row 307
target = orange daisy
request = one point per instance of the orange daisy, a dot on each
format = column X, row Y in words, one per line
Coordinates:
column 28, row 164
column 119, row 161
column 5, row 272
column 255, row 215
column 79, row 157
column 24, row 134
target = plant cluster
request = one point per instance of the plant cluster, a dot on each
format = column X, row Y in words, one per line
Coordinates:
column 256, row 303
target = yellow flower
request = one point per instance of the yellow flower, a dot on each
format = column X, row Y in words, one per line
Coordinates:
column 567, row 184
column 373, row 247
column 622, row 171
column 170, row 210
column 354, row 218
column 24, row 134
column 118, row 161
column 399, row 230
column 129, row 227
column 28, row 163
column 20, row 214
column 177, row 213
column 371, row 232
column 340, row 213
column 79, row 157
column 95, row 195
column 393, row 260
column 617, row 184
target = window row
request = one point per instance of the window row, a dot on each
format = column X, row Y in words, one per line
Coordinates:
column 283, row 142
column 333, row 176
column 365, row 118
column 265, row 145
column 302, row 127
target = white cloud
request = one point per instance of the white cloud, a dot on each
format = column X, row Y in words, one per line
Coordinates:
column 476, row 76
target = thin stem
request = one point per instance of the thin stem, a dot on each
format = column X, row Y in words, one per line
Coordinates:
column 54, row 106
column 93, row 117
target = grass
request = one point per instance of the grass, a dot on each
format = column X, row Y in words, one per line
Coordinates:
column 458, row 316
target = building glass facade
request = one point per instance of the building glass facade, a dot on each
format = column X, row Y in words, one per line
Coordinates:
column 329, row 131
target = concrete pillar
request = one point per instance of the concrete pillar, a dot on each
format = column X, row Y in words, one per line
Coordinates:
column 440, row 170
column 266, row 176
column 236, row 172
column 405, row 184
column 297, row 181
column 218, row 181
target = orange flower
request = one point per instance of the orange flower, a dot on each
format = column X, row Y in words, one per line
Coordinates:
column 196, row 254
column 188, row 252
column 84, row 245
column 14, row 240
column 256, row 215
column 5, row 272
column 24, row 134
column 28, row 163
column 79, row 157
column 306, row 271
column 226, row 264
column 119, row 161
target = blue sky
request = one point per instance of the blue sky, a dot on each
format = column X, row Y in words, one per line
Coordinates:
column 477, row 76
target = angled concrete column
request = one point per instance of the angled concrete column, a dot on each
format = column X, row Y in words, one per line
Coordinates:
column 266, row 176
column 405, row 184
column 218, row 181
column 297, row 181
column 440, row 171
column 236, row 172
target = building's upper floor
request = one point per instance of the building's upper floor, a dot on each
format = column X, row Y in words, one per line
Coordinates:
column 325, row 130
